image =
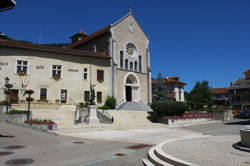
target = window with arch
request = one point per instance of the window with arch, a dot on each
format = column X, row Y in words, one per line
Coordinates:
column 131, row 65
column 126, row 64
column 135, row 65
column 140, row 63
column 121, row 59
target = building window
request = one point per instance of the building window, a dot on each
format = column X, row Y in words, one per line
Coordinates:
column 56, row 70
column 43, row 94
column 99, row 97
column 85, row 73
column 135, row 65
column 121, row 59
column 22, row 67
column 140, row 63
column 179, row 93
column 126, row 64
column 86, row 96
column 131, row 65
column 100, row 75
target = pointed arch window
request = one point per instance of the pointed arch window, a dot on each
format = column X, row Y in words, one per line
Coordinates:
column 126, row 64
column 131, row 65
column 121, row 59
column 135, row 65
column 140, row 63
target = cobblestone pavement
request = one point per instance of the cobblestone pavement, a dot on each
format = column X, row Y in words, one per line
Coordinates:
column 209, row 151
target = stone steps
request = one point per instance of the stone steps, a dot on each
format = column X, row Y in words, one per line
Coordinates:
column 157, row 157
column 135, row 106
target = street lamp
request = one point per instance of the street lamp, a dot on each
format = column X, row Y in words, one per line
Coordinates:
column 7, row 5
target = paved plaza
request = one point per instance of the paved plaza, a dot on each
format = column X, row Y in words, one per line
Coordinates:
column 209, row 151
column 119, row 147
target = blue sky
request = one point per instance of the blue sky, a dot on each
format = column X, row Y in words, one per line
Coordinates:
column 193, row 39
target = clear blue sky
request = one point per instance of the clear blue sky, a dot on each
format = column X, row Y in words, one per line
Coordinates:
column 193, row 39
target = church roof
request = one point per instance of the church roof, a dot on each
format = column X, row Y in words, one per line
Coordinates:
column 45, row 48
column 101, row 32
column 90, row 37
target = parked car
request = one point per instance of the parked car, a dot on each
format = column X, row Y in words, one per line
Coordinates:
column 236, row 113
column 245, row 114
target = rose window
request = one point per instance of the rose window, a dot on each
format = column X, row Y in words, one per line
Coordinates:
column 131, row 49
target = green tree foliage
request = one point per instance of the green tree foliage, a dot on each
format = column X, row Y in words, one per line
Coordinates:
column 200, row 96
column 110, row 102
column 160, row 89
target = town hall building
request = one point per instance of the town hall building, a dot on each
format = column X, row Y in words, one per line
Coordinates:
column 115, row 59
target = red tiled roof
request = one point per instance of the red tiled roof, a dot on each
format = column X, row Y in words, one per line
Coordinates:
column 45, row 48
column 219, row 90
column 170, row 80
column 90, row 37
column 170, row 95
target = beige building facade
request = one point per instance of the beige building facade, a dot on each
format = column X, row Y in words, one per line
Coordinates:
column 56, row 75
column 116, row 59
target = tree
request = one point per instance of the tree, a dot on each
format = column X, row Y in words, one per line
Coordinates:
column 200, row 96
column 29, row 99
column 160, row 90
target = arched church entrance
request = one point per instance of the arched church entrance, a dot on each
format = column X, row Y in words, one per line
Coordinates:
column 131, row 88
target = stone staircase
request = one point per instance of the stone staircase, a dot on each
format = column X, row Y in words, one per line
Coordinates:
column 157, row 157
column 134, row 106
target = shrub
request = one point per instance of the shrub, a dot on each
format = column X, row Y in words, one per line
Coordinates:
column 16, row 112
column 110, row 102
column 40, row 122
column 104, row 107
column 82, row 105
column 3, row 103
column 169, row 108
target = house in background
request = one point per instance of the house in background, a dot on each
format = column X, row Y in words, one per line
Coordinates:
column 239, row 91
column 220, row 96
column 174, row 88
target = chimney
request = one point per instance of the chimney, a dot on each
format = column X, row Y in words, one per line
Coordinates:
column 78, row 36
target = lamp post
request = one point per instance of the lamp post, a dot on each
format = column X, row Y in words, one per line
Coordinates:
column 8, row 86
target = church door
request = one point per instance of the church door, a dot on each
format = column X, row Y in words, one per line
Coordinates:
column 128, row 93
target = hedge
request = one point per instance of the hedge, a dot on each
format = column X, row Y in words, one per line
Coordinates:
column 169, row 108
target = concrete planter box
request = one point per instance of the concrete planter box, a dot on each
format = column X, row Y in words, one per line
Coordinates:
column 43, row 127
column 19, row 119
column 3, row 108
column 174, row 121
column 245, row 136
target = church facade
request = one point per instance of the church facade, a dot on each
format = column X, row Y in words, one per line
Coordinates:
column 116, row 59
column 128, row 47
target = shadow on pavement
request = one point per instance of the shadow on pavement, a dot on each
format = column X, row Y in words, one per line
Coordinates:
column 241, row 122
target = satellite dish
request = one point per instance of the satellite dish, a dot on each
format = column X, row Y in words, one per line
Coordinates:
column 7, row 5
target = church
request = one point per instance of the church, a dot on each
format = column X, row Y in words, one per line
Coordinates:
column 116, row 59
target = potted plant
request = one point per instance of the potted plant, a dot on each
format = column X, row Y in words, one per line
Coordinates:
column 57, row 77
column 21, row 73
